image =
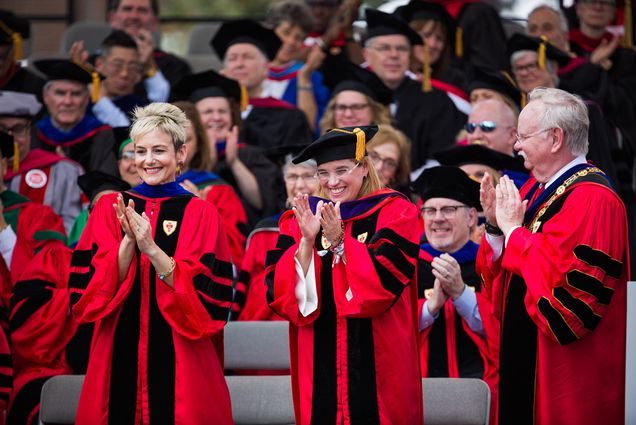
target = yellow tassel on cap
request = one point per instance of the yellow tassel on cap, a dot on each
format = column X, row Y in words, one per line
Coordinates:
column 426, row 71
column 541, row 52
column 244, row 98
column 628, row 25
column 16, row 157
column 17, row 46
column 524, row 100
column 95, row 93
column 361, row 140
column 459, row 42
column 16, row 39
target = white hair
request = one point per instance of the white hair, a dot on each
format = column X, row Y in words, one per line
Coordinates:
column 565, row 111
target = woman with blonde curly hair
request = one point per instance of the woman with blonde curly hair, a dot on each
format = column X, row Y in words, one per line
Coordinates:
column 152, row 270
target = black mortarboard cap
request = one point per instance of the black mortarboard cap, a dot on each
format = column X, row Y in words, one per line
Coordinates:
column 63, row 69
column 540, row 45
column 339, row 143
column 483, row 78
column 340, row 74
column 122, row 138
column 417, row 10
column 245, row 31
column 206, row 84
column 95, row 181
column 447, row 182
column 10, row 25
column 479, row 154
column 380, row 23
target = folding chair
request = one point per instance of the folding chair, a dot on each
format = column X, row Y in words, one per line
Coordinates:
column 455, row 401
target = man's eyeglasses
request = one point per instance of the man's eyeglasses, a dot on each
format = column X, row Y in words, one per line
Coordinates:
column 485, row 126
column 293, row 178
column 19, row 130
column 116, row 67
column 447, row 211
column 529, row 67
column 520, row 139
column 354, row 107
column 402, row 49
column 340, row 172
column 388, row 164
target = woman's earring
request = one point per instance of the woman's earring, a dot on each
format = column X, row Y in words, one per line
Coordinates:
column 178, row 169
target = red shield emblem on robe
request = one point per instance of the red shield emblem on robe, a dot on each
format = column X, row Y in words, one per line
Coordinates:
column 169, row 226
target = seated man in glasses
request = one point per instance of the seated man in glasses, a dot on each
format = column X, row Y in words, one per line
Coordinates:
column 454, row 338
column 493, row 123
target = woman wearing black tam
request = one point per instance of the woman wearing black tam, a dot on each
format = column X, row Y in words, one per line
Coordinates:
column 343, row 274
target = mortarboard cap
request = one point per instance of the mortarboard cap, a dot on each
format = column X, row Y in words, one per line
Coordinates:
column 541, row 45
column 245, row 31
column 338, row 143
column 279, row 154
column 447, row 182
column 479, row 154
column 122, row 138
column 17, row 104
column 499, row 81
column 418, row 10
column 380, row 23
column 63, row 69
column 13, row 30
column 341, row 74
column 209, row 84
column 95, row 181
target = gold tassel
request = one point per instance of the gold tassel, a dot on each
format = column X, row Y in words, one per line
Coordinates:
column 524, row 100
column 628, row 25
column 459, row 42
column 360, row 144
column 426, row 71
column 244, row 98
column 16, row 39
column 541, row 52
column 95, row 93
column 17, row 46
column 16, row 157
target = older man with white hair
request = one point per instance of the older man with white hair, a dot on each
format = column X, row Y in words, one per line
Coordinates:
column 555, row 264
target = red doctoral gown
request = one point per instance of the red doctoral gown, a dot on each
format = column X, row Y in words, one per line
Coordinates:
column 153, row 360
column 559, row 291
column 354, row 360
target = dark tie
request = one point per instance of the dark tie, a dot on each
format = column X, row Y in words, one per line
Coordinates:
column 536, row 193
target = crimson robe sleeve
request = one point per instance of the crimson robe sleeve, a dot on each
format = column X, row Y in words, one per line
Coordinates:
column 578, row 260
column 199, row 304
column 233, row 217
column 93, row 280
column 40, row 323
column 375, row 274
column 280, row 273
column 38, row 225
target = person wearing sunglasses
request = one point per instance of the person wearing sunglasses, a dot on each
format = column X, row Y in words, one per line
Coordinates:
column 343, row 275
column 492, row 123
column 454, row 339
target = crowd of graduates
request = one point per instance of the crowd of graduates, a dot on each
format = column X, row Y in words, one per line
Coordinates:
column 442, row 80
